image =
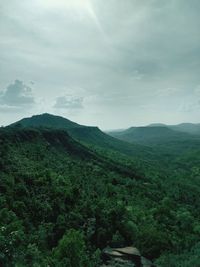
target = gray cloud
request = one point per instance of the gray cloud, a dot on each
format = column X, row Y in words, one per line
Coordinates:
column 190, row 106
column 16, row 95
column 9, row 109
column 69, row 102
column 124, row 54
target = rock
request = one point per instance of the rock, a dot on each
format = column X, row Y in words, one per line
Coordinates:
column 124, row 257
column 113, row 253
column 132, row 251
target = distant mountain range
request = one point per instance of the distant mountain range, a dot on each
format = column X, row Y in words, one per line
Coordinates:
column 192, row 128
column 158, row 133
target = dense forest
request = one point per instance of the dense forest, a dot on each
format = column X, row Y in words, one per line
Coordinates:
column 68, row 191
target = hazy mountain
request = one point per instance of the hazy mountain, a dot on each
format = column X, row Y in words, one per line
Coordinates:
column 191, row 128
column 187, row 128
column 157, row 125
column 150, row 135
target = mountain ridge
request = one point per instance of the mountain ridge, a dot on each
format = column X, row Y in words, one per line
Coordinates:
column 47, row 120
column 91, row 135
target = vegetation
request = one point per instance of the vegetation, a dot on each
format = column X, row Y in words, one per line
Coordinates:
column 63, row 201
column 155, row 135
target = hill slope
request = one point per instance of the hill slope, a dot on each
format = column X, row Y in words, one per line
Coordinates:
column 60, row 202
column 51, row 184
column 47, row 120
column 86, row 134
column 150, row 135
column 190, row 128
column 187, row 128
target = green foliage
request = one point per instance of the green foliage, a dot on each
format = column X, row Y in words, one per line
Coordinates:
column 71, row 248
column 183, row 259
column 61, row 202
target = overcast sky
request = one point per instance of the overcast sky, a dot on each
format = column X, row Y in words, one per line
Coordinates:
column 110, row 63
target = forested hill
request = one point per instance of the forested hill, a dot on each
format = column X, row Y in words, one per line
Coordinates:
column 154, row 135
column 191, row 128
column 47, row 120
column 85, row 134
column 60, row 140
column 62, row 203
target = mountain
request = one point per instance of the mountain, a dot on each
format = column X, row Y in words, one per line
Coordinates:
column 57, row 139
column 146, row 146
column 150, row 135
column 190, row 128
column 52, row 189
column 47, row 120
column 86, row 134
column 62, row 202
column 157, row 125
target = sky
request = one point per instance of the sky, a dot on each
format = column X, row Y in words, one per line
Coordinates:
column 107, row 63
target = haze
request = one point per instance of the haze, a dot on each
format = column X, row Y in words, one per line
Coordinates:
column 111, row 63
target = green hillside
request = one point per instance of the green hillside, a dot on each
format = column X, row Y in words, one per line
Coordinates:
column 151, row 135
column 191, row 128
column 47, row 120
column 85, row 134
column 63, row 202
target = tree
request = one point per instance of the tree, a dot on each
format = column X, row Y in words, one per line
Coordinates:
column 72, row 248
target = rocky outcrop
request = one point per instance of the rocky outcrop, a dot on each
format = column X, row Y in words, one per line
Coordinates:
column 124, row 257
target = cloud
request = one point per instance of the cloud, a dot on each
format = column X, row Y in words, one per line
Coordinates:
column 9, row 109
column 69, row 102
column 168, row 92
column 197, row 90
column 17, row 95
column 127, row 54
column 188, row 107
